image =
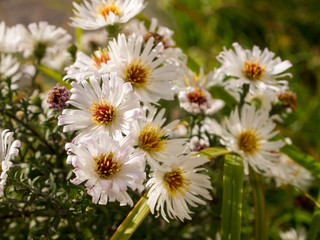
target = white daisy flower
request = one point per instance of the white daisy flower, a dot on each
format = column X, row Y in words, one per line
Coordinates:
column 94, row 14
column 248, row 135
column 152, row 138
column 9, row 68
column 42, row 36
column 256, row 67
column 109, row 168
column 143, row 67
column 194, row 98
column 107, row 104
column 293, row 234
column 161, row 35
column 287, row 171
column 171, row 190
column 85, row 66
column 9, row 38
column 7, row 149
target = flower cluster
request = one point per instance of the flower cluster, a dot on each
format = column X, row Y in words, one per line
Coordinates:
column 118, row 80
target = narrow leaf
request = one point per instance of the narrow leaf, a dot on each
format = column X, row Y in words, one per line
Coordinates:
column 303, row 159
column 214, row 152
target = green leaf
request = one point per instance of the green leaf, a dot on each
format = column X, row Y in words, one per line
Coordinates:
column 314, row 227
column 214, row 152
column 55, row 75
column 261, row 223
column 233, row 176
column 133, row 220
column 303, row 159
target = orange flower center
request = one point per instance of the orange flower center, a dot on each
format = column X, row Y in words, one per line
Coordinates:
column 100, row 56
column 138, row 73
column 175, row 182
column 108, row 7
column 198, row 96
column 106, row 165
column 249, row 141
column 253, row 71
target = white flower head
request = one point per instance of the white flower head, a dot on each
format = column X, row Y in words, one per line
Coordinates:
column 85, row 66
column 108, row 105
column 94, row 14
column 7, row 149
column 255, row 67
column 9, row 67
column 9, row 38
column 43, row 35
column 144, row 68
column 293, row 234
column 194, row 98
column 108, row 166
column 154, row 139
column 171, row 190
column 249, row 136
column 287, row 171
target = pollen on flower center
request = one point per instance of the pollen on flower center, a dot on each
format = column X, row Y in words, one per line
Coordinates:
column 102, row 113
column 249, row 141
column 138, row 74
column 253, row 70
column 106, row 8
column 175, row 182
column 197, row 96
column 152, row 139
column 106, row 165
column 100, row 56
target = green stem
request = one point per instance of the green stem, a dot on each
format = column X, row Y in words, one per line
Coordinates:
column 133, row 220
column 78, row 33
column 232, row 197
column 261, row 224
column 315, row 226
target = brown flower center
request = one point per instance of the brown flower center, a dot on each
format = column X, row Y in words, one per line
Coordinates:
column 197, row 96
column 253, row 71
column 138, row 73
column 106, row 165
column 102, row 113
column 175, row 182
column 249, row 141
column 152, row 139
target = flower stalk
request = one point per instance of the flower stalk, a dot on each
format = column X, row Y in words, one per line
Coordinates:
column 133, row 220
column 233, row 175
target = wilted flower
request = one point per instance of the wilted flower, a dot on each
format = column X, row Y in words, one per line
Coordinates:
column 58, row 97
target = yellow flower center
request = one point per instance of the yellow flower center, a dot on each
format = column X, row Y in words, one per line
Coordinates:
column 106, row 165
column 152, row 139
column 106, row 8
column 197, row 96
column 253, row 71
column 175, row 182
column 100, row 56
column 249, row 141
column 102, row 113
column 138, row 73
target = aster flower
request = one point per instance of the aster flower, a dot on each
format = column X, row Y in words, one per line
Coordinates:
column 9, row 68
column 180, row 184
column 86, row 66
column 41, row 39
column 109, row 168
column 287, row 171
column 256, row 67
column 9, row 38
column 249, row 136
column 7, row 149
column 152, row 138
column 142, row 67
column 94, row 14
column 293, row 234
column 195, row 99
column 58, row 97
column 109, row 107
